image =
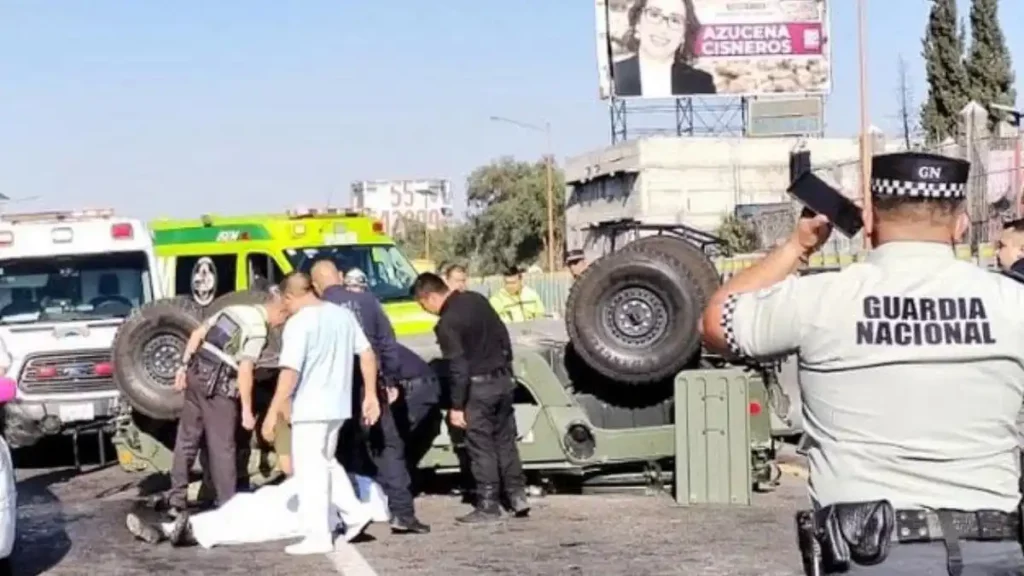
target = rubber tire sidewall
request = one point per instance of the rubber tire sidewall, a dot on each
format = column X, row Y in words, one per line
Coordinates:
column 146, row 395
column 657, row 272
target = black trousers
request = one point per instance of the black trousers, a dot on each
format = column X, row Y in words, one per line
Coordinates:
column 215, row 419
column 491, row 436
column 418, row 418
column 379, row 452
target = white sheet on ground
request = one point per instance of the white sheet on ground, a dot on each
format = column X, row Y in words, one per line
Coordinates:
column 271, row 513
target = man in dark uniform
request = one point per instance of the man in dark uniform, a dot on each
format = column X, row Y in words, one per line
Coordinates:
column 476, row 345
column 416, row 406
column 216, row 375
column 576, row 262
column 385, row 442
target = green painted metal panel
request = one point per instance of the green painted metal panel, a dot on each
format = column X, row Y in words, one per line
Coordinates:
column 712, row 434
column 252, row 232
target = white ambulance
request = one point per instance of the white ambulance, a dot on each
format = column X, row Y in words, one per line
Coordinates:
column 67, row 281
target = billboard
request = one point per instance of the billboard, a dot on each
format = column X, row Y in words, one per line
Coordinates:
column 677, row 48
column 392, row 201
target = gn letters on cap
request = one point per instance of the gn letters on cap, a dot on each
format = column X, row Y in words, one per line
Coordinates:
column 919, row 175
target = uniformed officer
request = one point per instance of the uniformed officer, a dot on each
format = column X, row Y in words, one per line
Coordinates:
column 476, row 345
column 385, row 442
column 216, row 375
column 576, row 262
column 911, row 373
column 516, row 302
column 1010, row 248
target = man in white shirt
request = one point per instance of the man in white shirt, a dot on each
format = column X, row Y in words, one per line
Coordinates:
column 318, row 345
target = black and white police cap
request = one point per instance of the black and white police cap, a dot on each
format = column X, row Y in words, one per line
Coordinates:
column 919, row 175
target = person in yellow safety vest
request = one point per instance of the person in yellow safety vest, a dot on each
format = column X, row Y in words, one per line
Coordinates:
column 515, row 302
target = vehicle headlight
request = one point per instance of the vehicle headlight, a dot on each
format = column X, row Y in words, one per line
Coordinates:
column 579, row 441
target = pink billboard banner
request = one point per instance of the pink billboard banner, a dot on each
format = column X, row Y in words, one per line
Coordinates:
column 757, row 40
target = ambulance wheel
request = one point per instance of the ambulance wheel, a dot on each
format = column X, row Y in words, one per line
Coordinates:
column 632, row 316
column 248, row 298
column 147, row 353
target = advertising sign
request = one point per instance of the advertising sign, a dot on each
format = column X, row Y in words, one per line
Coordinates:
column 789, row 117
column 676, row 48
column 394, row 201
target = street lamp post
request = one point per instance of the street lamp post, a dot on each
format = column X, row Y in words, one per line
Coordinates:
column 549, row 160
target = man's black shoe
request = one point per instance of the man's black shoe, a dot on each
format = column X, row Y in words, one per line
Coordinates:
column 409, row 526
column 481, row 515
column 519, row 505
column 143, row 530
column 180, row 533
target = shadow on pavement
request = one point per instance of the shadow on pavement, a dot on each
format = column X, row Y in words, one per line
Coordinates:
column 42, row 541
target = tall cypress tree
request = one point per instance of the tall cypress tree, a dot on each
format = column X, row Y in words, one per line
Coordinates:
column 943, row 51
column 989, row 69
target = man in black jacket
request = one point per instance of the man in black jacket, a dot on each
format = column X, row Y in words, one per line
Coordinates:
column 385, row 442
column 475, row 343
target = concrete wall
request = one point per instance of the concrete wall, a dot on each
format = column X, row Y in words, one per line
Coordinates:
column 692, row 181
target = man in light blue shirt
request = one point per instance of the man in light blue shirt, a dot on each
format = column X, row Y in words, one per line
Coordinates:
column 315, row 387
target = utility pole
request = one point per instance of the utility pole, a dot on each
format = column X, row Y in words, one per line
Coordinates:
column 551, row 199
column 549, row 168
column 865, row 126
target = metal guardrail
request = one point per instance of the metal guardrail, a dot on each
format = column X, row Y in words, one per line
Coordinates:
column 553, row 288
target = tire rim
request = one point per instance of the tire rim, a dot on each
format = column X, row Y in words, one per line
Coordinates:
column 161, row 357
column 636, row 316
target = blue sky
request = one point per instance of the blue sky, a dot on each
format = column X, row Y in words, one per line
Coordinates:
column 178, row 108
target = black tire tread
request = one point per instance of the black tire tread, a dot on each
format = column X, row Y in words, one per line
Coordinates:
column 145, row 395
column 691, row 256
column 596, row 353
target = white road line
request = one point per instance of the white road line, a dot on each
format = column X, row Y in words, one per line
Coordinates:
column 348, row 561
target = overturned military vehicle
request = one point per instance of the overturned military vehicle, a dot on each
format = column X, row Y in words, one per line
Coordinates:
column 595, row 404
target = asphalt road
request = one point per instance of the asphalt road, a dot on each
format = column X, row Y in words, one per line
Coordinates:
column 72, row 524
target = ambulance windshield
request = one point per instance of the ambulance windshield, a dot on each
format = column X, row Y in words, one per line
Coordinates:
column 388, row 273
column 73, row 288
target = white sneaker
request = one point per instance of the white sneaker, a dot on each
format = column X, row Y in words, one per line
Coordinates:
column 308, row 546
column 356, row 529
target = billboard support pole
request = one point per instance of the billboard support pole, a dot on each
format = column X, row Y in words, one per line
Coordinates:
column 617, row 110
column 865, row 129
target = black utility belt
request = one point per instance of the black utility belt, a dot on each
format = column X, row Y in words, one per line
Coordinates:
column 499, row 373
column 409, row 383
column 836, row 536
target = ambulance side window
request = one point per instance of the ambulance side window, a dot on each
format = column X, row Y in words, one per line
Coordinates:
column 205, row 277
column 263, row 267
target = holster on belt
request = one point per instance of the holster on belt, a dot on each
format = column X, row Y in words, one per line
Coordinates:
column 858, row 532
column 211, row 374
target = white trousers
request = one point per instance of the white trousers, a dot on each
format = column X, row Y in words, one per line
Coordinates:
column 272, row 513
column 320, row 480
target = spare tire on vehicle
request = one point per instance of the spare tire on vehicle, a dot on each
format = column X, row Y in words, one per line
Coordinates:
column 633, row 315
column 272, row 351
column 147, row 353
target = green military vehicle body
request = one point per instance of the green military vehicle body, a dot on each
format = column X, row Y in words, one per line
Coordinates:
column 565, row 435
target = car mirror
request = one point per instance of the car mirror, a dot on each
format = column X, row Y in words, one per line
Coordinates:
column 8, row 389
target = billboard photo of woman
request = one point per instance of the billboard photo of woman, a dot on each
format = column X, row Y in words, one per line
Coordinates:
column 662, row 38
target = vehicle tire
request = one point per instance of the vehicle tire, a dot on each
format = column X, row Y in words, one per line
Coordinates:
column 704, row 270
column 272, row 351
column 147, row 352
column 188, row 305
column 632, row 316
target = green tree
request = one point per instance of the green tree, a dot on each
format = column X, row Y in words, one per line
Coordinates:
column 989, row 69
column 447, row 244
column 943, row 52
column 738, row 236
column 508, row 207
